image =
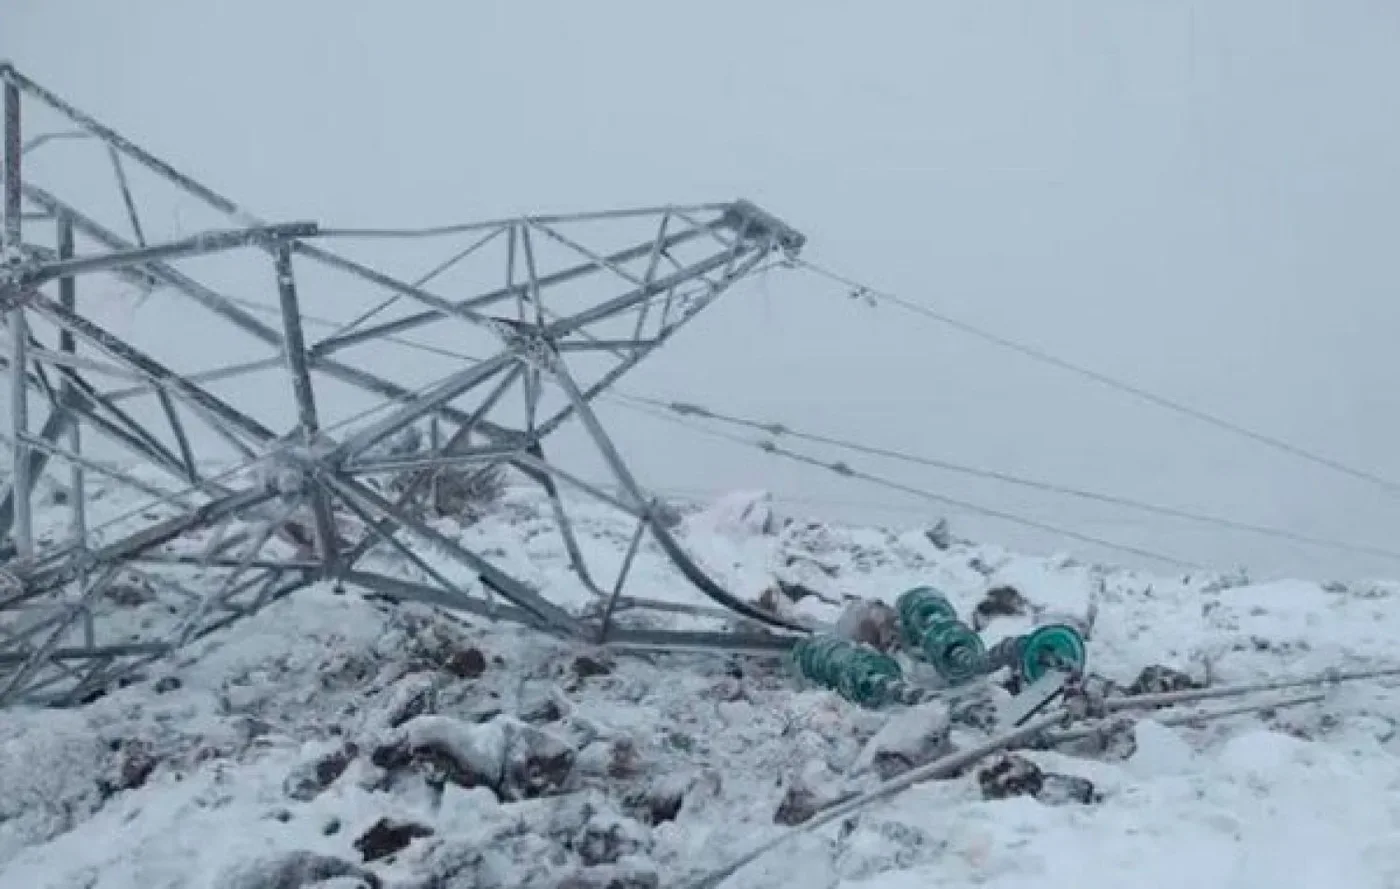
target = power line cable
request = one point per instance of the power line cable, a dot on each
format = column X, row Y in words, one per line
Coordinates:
column 1136, row 391
column 779, row 429
column 846, row 470
column 783, row 430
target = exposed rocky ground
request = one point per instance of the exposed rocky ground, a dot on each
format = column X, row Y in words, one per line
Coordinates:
column 336, row 741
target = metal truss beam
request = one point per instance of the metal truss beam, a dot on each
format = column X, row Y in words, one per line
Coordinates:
column 276, row 487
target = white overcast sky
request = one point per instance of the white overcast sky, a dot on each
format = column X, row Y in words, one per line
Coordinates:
column 1202, row 198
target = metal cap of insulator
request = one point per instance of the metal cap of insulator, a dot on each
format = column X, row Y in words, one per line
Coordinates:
column 1046, row 648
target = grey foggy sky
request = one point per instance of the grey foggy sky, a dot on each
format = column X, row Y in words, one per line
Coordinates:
column 1200, row 198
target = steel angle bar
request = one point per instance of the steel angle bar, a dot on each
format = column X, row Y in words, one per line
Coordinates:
column 633, row 546
column 11, row 245
column 78, row 397
column 545, row 613
column 36, row 658
column 54, row 426
column 227, row 309
column 82, row 653
column 112, row 472
column 461, row 435
column 197, row 245
column 561, row 516
column 636, row 296
column 534, row 464
column 636, row 603
column 593, row 256
column 34, row 143
column 440, row 268
column 182, row 439
column 615, row 346
column 650, row 274
column 412, row 591
column 403, row 288
column 510, row 291
column 547, row 219
column 670, row 641
column 126, row 146
column 470, row 457
column 68, row 568
column 195, row 561
column 255, row 546
column 219, row 413
column 205, row 376
column 127, row 199
column 424, row 404
column 663, row 537
column 74, row 362
column 404, row 550
column 295, row 353
column 631, row 361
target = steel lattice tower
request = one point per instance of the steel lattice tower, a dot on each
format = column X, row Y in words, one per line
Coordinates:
column 295, row 495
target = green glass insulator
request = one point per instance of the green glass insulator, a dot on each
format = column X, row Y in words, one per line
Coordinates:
column 859, row 674
column 920, row 608
column 930, row 625
column 1051, row 647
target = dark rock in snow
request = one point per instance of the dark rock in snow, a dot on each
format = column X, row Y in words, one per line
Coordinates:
column 130, row 591
column 1155, row 679
column 516, row 760
column 940, row 535
column 1009, row 775
column 613, row 876
column 799, row 804
column 1058, row 790
column 412, row 696
column 871, row 622
column 664, row 799
column 308, row 780
column 130, row 768
column 796, row 592
column 386, row 837
column 465, row 663
column 541, row 708
column 537, row 763
column 658, row 804
column 1002, row 601
column 589, row 665
column 607, row 838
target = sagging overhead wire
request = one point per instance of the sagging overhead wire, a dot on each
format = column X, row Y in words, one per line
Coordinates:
column 844, row 469
column 675, row 412
column 1137, row 392
column 782, row 430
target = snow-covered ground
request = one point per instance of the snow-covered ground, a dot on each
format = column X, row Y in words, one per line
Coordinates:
column 298, row 746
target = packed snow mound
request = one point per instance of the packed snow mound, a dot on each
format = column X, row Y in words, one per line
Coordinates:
column 338, row 741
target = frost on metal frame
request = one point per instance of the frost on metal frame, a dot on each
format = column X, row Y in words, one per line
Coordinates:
column 259, row 414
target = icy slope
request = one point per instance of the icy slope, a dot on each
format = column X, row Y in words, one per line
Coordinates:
column 334, row 741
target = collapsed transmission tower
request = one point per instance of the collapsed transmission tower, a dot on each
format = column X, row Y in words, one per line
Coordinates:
column 262, row 455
